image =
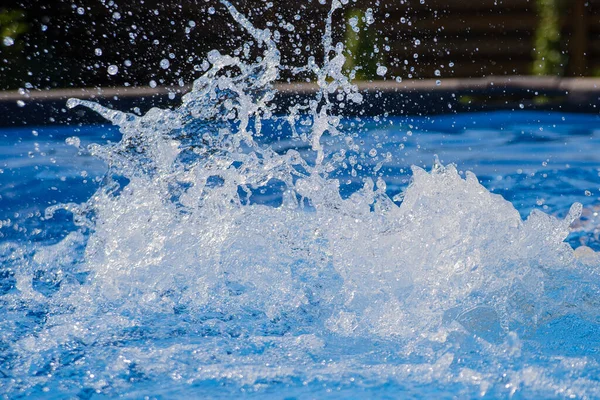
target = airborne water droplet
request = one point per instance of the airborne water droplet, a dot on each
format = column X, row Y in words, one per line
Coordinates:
column 73, row 141
column 113, row 70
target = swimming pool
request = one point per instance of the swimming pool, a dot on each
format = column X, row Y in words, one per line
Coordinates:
column 218, row 249
column 143, row 336
column 540, row 160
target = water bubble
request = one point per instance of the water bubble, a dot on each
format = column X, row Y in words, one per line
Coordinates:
column 152, row 84
column 127, row 63
column 8, row 41
column 80, row 10
column 165, row 64
column 438, row 82
column 451, row 64
column 20, row 103
column 113, row 69
column 588, row 193
column 437, row 72
column 521, row 106
column 116, row 15
column 98, row 52
column 381, row 70
column 211, row 10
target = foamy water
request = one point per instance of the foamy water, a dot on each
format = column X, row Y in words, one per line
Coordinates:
column 177, row 283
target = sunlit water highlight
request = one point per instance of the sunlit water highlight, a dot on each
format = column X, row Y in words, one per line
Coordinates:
column 228, row 250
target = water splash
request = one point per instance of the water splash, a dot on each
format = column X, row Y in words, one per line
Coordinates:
column 176, row 277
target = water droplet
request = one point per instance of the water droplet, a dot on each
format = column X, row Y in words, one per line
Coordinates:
column 98, row 52
column 113, row 69
column 438, row 82
column 437, row 72
column 73, row 141
column 20, row 103
column 588, row 193
column 165, row 64
column 8, row 41
column 116, row 15
column 451, row 64
column 521, row 106
column 152, row 83
column 80, row 10
column 369, row 16
column 211, row 10
column 381, row 70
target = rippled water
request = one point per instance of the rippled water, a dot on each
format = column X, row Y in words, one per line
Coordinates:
column 217, row 249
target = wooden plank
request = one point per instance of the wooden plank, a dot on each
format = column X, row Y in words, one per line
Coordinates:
column 476, row 47
column 471, row 23
column 463, row 69
column 453, row 5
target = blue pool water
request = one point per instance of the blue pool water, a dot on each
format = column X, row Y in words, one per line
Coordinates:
column 533, row 159
column 299, row 303
column 216, row 250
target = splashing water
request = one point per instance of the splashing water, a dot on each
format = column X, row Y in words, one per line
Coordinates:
column 177, row 282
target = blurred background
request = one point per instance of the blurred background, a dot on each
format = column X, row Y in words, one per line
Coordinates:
column 48, row 44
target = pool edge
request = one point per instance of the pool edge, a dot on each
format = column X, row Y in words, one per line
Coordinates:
column 414, row 97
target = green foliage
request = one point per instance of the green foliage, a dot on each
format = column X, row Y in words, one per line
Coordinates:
column 548, row 59
column 12, row 26
column 360, row 44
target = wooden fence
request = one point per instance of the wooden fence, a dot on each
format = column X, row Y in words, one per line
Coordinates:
column 480, row 38
column 458, row 38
